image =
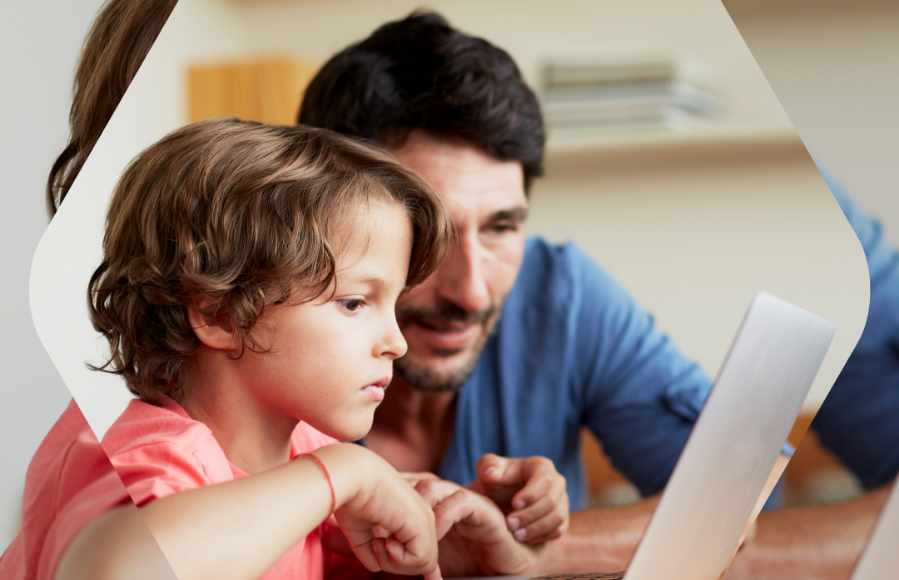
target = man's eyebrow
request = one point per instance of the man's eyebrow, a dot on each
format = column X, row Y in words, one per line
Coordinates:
column 518, row 214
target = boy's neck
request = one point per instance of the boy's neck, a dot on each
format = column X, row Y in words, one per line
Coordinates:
column 253, row 439
column 412, row 429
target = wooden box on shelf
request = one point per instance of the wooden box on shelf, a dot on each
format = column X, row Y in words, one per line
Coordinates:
column 268, row 90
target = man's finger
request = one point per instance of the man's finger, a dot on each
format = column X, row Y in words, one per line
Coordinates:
column 538, row 487
column 544, row 526
column 550, row 536
column 493, row 469
column 520, row 519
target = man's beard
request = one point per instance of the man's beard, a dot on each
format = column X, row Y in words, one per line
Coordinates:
column 418, row 375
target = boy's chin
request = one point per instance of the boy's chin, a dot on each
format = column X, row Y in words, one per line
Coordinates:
column 350, row 430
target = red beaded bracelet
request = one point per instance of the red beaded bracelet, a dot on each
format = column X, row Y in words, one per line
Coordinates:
column 327, row 476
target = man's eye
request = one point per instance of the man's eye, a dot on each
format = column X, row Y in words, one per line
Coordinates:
column 503, row 227
column 351, row 305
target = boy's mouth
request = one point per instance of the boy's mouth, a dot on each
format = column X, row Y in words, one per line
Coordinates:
column 376, row 389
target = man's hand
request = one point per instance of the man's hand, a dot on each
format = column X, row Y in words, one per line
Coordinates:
column 472, row 533
column 531, row 493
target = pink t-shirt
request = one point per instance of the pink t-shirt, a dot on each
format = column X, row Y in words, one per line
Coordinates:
column 69, row 483
column 158, row 451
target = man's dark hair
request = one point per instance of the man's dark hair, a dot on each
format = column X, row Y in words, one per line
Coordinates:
column 419, row 73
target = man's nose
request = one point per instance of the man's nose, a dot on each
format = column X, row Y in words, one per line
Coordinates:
column 462, row 276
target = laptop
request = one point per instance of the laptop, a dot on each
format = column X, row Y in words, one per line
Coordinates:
column 715, row 487
column 880, row 559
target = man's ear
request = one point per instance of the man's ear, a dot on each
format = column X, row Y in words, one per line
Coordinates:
column 213, row 331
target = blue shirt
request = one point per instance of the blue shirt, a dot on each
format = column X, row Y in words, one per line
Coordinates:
column 573, row 349
column 859, row 420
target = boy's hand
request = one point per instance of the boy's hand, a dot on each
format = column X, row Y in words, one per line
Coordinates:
column 474, row 539
column 531, row 493
column 387, row 524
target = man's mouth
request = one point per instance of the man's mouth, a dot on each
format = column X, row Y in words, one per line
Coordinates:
column 447, row 329
column 447, row 337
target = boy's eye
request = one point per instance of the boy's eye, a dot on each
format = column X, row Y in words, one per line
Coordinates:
column 351, row 305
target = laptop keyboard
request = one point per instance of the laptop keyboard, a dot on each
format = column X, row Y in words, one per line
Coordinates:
column 587, row 576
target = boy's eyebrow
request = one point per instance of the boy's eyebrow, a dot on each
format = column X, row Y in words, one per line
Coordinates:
column 375, row 281
column 519, row 214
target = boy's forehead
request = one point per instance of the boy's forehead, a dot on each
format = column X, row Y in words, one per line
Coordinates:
column 377, row 234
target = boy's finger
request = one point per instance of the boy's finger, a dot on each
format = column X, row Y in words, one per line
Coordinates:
column 435, row 575
column 334, row 540
column 408, row 558
column 456, row 508
column 433, row 491
column 367, row 555
column 414, row 477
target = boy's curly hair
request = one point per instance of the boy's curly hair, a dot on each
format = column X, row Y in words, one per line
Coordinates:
column 242, row 214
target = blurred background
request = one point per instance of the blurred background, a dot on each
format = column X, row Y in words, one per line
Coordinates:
column 670, row 160
column 40, row 43
column 834, row 66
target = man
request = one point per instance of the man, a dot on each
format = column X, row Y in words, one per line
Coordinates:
column 514, row 344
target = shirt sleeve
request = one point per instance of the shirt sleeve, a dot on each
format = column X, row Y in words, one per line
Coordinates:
column 159, row 469
column 859, row 420
column 641, row 396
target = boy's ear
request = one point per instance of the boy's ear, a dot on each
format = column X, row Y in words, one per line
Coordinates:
column 213, row 331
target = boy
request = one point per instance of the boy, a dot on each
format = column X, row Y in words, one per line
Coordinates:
column 247, row 292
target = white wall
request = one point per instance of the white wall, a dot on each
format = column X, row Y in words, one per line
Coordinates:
column 835, row 67
column 40, row 40
column 532, row 31
column 695, row 234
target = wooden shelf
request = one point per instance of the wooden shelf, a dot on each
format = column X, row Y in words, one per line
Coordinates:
column 570, row 150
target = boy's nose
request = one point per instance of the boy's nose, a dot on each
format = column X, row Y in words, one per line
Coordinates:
column 394, row 343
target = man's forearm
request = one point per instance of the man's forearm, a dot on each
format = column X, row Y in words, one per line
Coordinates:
column 599, row 540
column 809, row 543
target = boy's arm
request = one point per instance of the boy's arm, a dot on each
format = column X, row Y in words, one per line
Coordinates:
column 127, row 549
column 239, row 529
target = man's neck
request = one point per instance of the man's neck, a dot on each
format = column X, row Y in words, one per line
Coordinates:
column 412, row 429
